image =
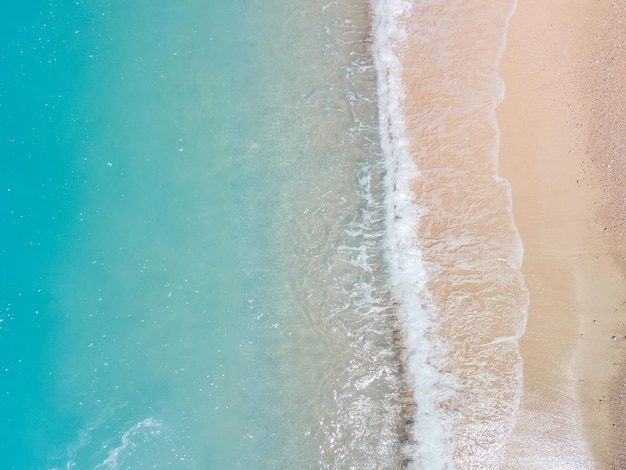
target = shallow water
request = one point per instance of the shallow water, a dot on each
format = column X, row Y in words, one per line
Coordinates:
column 187, row 284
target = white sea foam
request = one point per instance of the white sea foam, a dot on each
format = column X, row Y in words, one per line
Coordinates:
column 408, row 277
column 127, row 442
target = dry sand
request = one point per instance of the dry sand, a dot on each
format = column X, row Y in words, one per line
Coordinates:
column 562, row 149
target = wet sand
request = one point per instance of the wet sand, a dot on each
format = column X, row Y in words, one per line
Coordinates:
column 562, row 149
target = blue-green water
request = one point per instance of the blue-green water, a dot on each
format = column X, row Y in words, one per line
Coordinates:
column 135, row 215
column 190, row 206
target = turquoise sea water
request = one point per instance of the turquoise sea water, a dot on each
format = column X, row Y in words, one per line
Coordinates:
column 190, row 206
column 209, row 257
column 128, row 200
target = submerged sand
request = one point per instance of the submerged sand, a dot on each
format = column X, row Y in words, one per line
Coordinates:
column 562, row 149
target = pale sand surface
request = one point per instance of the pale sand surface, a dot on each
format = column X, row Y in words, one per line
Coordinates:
column 560, row 127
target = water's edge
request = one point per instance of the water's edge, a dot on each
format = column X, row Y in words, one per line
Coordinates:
column 462, row 302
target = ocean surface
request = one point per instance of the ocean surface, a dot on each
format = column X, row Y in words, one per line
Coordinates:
column 225, row 241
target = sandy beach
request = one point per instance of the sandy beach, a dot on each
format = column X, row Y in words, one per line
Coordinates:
column 562, row 149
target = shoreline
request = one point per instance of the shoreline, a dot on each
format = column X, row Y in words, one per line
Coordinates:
column 468, row 308
column 572, row 413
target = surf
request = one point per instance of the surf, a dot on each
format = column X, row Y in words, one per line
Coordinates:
column 453, row 251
